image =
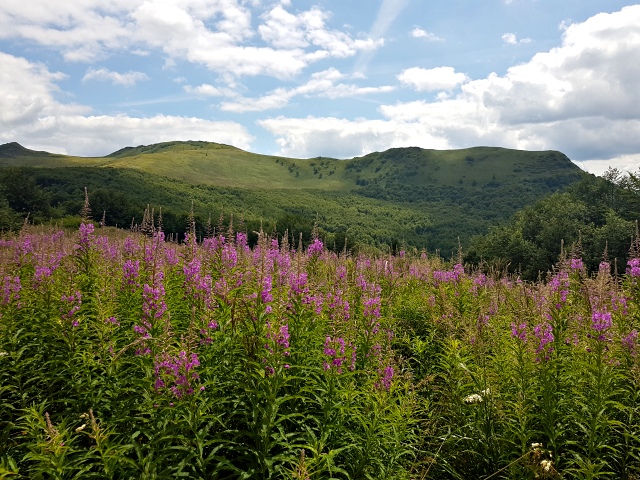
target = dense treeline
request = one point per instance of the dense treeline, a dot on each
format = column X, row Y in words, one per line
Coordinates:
column 595, row 219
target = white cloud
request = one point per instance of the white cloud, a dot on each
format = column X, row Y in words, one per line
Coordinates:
column 512, row 39
column 420, row 33
column 321, row 84
column 206, row 90
column 83, row 30
column 27, row 93
column 128, row 79
column 282, row 29
column 580, row 98
column 100, row 135
column 440, row 78
column 215, row 33
column 30, row 114
column 341, row 138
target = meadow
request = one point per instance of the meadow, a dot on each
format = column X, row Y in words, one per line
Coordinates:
column 123, row 355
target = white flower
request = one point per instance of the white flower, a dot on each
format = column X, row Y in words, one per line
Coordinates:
column 473, row 398
column 546, row 465
column 81, row 427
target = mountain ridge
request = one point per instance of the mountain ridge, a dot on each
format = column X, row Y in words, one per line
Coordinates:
column 422, row 197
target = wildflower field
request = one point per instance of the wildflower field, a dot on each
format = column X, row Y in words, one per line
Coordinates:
column 125, row 356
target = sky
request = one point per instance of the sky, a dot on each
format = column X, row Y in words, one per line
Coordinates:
column 328, row 78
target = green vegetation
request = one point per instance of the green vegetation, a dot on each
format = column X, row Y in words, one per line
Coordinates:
column 429, row 199
column 595, row 219
column 123, row 356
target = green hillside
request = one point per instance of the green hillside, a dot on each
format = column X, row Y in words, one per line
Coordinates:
column 425, row 198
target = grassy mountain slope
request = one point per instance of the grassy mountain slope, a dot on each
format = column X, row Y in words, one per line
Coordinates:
column 426, row 198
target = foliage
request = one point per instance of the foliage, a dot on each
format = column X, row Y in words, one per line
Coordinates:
column 126, row 356
column 436, row 200
column 594, row 218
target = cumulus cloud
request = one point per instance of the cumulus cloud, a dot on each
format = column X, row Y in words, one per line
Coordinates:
column 31, row 115
column 512, row 39
column 100, row 135
column 218, row 34
column 580, row 98
column 420, row 33
column 440, row 78
column 27, row 93
column 80, row 30
column 341, row 138
column 128, row 79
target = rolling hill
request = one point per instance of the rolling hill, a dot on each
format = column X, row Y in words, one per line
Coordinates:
column 424, row 198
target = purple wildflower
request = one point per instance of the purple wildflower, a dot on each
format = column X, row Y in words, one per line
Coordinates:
column 85, row 236
column 177, row 374
column 576, row 264
column 633, row 267
column 519, row 331
column 11, row 287
column 74, row 302
column 544, row 333
column 601, row 322
column 386, row 378
column 630, row 341
column 131, row 272
column 338, row 352
column 267, row 285
column 315, row 248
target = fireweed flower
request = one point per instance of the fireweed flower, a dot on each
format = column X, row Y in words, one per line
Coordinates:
column 543, row 332
column 229, row 256
column 277, row 346
column 315, row 248
column 267, row 285
column 11, row 287
column 600, row 323
column 630, row 341
column 131, row 273
column 633, row 267
column 73, row 303
column 560, row 284
column 153, row 308
column 338, row 305
column 576, row 264
column 337, row 353
column 129, row 247
column 176, row 374
column 153, row 305
column 386, row 378
column 85, row 235
column 519, row 331
column 451, row 276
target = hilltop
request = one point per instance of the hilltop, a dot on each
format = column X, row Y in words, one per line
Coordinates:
column 425, row 198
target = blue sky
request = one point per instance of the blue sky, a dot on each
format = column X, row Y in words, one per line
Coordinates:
column 324, row 78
